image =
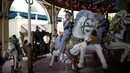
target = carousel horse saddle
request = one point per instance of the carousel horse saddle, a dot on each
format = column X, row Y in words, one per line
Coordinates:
column 73, row 40
column 19, row 51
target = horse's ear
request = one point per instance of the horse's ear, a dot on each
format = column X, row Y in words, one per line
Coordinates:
column 10, row 38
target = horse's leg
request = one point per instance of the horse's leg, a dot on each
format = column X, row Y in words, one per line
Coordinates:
column 74, row 59
column 55, row 53
column 15, row 62
column 20, row 63
column 124, row 55
column 101, row 56
column 82, row 56
column 82, row 48
column 74, row 64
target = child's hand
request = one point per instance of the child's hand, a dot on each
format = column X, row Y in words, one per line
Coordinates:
column 61, row 33
column 71, row 18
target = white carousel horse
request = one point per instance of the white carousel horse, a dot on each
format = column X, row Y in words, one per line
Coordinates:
column 13, row 53
column 83, row 30
column 116, row 31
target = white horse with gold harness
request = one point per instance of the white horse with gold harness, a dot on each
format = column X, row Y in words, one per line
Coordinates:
column 83, row 30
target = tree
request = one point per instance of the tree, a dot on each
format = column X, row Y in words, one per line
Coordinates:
column 33, row 9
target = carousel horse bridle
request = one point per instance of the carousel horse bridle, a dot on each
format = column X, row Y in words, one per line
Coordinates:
column 83, row 26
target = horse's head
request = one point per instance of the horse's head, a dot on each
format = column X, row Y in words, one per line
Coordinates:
column 119, row 23
column 87, row 28
column 116, row 24
column 11, row 45
column 86, row 23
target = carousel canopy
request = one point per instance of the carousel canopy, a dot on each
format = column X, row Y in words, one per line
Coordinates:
column 93, row 5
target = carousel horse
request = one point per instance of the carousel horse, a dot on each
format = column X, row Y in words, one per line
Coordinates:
column 84, row 24
column 13, row 53
column 1, row 57
column 118, row 34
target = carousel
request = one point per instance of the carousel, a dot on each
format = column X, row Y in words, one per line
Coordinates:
column 114, row 47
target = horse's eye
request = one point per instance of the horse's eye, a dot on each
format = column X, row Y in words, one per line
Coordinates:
column 87, row 30
column 87, row 23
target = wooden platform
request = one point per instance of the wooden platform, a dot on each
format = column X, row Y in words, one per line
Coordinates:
column 42, row 66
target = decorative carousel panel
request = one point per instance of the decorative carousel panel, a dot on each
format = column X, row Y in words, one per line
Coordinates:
column 93, row 5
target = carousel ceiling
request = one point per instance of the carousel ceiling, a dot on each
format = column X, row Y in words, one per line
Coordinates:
column 93, row 5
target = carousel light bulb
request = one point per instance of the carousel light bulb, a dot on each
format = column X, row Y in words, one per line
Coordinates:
column 109, row 6
column 113, row 4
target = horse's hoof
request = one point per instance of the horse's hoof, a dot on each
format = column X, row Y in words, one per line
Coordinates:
column 105, row 67
column 80, row 66
column 19, row 68
column 50, row 66
column 76, row 71
column 14, row 71
column 105, row 70
column 122, row 60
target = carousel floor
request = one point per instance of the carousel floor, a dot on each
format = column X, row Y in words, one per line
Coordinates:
column 93, row 66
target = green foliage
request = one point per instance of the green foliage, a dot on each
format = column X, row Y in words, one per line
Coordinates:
column 109, row 18
column 52, row 44
column 33, row 9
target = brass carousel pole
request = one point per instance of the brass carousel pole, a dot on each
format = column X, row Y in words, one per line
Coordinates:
column 30, row 67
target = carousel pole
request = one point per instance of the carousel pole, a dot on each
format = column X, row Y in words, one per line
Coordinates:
column 72, row 11
column 3, row 19
column 29, row 22
column 128, row 6
column 106, row 13
column 124, row 4
column 30, row 67
column 72, row 7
